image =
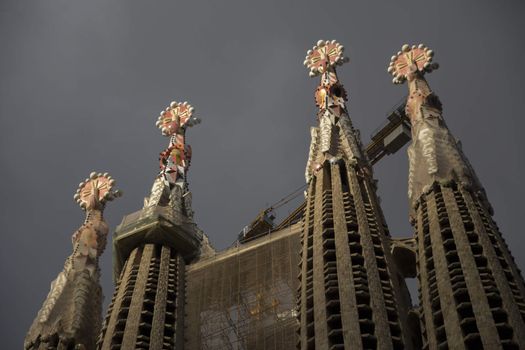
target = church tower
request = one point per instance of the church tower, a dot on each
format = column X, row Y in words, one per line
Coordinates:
column 151, row 249
column 70, row 317
column 471, row 291
column 351, row 294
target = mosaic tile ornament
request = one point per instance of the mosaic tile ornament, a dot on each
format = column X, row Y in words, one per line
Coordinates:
column 409, row 60
column 175, row 117
column 324, row 55
column 174, row 161
column 97, row 188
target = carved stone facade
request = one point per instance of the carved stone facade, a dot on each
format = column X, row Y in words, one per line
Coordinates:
column 152, row 247
column 147, row 309
column 472, row 294
column 351, row 294
column 329, row 276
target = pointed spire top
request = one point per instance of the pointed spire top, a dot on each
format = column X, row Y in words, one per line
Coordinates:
column 323, row 56
column 95, row 191
column 322, row 60
column 172, row 122
column 334, row 138
column 175, row 118
column 411, row 59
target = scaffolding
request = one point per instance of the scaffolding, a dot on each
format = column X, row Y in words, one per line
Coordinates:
column 245, row 297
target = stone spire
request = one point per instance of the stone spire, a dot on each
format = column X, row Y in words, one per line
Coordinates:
column 334, row 138
column 351, row 294
column 435, row 155
column 171, row 186
column 71, row 315
column 151, row 249
column 471, row 291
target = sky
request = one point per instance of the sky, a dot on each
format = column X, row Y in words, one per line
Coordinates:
column 82, row 84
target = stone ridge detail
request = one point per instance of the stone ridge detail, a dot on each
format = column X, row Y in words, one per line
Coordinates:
column 351, row 294
column 472, row 295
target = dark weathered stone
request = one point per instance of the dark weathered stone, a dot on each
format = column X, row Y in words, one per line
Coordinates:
column 352, row 295
column 150, row 249
column 471, row 292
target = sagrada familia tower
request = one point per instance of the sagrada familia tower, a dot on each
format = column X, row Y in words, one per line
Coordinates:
column 329, row 276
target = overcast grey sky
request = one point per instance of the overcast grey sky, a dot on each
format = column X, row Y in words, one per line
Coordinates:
column 82, row 83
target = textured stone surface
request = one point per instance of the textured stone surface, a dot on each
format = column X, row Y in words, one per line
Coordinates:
column 71, row 315
column 471, row 292
column 151, row 246
column 352, row 295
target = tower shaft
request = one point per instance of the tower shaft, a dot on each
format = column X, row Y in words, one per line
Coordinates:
column 71, row 315
column 351, row 294
column 152, row 247
column 471, row 291
column 147, row 308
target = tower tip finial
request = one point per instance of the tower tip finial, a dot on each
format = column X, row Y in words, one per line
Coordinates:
column 326, row 54
column 98, row 188
column 176, row 116
column 411, row 59
column 172, row 122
